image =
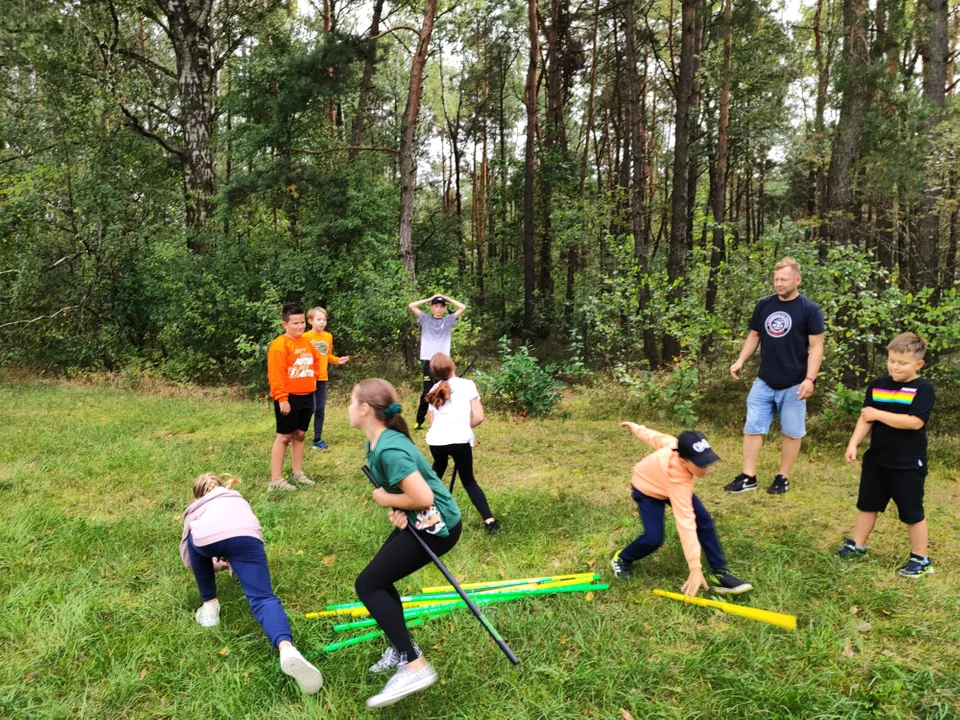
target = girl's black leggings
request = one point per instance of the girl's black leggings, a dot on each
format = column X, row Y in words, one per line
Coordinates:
column 400, row 555
column 462, row 455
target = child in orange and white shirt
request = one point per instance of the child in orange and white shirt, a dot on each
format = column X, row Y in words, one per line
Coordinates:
column 292, row 363
column 666, row 477
column 323, row 342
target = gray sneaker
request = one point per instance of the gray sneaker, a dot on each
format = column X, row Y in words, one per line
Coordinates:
column 280, row 484
column 405, row 682
column 390, row 659
column 301, row 477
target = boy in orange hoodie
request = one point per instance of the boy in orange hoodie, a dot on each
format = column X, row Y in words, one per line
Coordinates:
column 292, row 361
column 666, row 477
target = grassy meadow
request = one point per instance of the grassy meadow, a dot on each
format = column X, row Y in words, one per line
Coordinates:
column 96, row 608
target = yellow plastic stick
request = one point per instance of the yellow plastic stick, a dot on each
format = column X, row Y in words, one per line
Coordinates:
column 582, row 577
column 765, row 616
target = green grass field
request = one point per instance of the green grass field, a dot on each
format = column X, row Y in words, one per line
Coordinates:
column 96, row 609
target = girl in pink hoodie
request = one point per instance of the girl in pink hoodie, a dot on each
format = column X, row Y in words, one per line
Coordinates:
column 220, row 526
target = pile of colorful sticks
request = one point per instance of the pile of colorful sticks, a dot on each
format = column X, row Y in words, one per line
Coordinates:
column 437, row 601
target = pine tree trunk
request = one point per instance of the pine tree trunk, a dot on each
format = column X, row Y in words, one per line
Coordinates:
column 681, row 162
column 718, row 249
column 408, row 139
column 366, row 83
column 935, row 47
column 529, row 174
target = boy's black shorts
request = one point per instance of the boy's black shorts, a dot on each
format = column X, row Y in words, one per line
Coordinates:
column 301, row 411
column 878, row 485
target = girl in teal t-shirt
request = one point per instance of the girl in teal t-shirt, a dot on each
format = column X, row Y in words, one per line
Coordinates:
column 415, row 497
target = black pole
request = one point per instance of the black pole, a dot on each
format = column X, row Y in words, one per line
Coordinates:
column 456, row 586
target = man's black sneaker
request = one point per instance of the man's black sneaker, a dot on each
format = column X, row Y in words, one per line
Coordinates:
column 493, row 528
column 850, row 550
column 727, row 584
column 916, row 566
column 742, row 483
column 779, row 486
column 623, row 570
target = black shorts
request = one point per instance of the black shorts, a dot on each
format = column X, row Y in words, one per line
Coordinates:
column 879, row 485
column 301, row 411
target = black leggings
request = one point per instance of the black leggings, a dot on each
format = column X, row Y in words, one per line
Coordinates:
column 427, row 385
column 400, row 555
column 462, row 455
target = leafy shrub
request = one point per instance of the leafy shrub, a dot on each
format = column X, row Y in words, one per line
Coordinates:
column 843, row 403
column 522, row 386
column 674, row 392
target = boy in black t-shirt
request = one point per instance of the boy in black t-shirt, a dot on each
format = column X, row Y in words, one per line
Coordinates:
column 896, row 408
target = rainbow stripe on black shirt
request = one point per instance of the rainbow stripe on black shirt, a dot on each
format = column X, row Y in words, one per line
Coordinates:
column 903, row 396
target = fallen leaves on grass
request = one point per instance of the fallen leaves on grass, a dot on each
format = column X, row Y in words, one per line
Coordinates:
column 143, row 672
column 627, row 715
column 864, row 627
column 224, row 652
column 848, row 649
column 329, row 560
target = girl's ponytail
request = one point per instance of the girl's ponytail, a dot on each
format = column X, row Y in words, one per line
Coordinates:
column 381, row 396
column 442, row 368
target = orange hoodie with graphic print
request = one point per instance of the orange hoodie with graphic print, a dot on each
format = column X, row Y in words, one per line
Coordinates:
column 292, row 367
column 661, row 475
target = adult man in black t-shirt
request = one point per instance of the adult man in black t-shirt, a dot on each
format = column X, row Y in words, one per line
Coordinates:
column 788, row 327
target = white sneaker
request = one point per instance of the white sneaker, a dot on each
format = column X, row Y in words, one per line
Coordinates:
column 390, row 659
column 295, row 665
column 208, row 615
column 405, row 682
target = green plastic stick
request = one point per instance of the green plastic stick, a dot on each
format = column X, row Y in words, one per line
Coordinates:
column 472, row 592
column 482, row 600
column 368, row 636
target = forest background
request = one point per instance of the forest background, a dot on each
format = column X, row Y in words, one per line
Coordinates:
column 609, row 181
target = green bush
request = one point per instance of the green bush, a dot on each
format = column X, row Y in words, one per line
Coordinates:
column 670, row 393
column 522, row 386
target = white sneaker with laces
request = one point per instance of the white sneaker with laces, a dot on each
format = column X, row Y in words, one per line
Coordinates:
column 280, row 484
column 295, row 665
column 405, row 682
column 390, row 659
column 208, row 614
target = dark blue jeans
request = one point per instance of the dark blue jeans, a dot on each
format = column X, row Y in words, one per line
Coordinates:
column 249, row 563
column 651, row 513
column 319, row 409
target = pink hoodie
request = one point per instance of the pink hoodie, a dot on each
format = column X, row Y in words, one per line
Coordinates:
column 218, row 515
column 661, row 475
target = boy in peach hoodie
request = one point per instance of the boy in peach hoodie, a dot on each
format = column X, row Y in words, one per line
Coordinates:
column 666, row 477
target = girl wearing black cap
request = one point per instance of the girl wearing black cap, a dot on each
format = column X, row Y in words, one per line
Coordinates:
column 666, row 477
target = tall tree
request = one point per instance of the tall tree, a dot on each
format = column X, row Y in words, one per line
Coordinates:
column 935, row 46
column 684, row 91
column 857, row 93
column 529, row 168
column 408, row 138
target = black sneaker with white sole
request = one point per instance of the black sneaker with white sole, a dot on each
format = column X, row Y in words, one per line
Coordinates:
column 623, row 570
column 779, row 486
column 727, row 584
column 741, row 483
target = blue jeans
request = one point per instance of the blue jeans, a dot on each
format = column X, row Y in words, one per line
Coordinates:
column 319, row 409
column 249, row 563
column 763, row 403
column 651, row 513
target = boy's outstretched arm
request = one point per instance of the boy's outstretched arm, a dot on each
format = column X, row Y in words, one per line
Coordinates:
column 652, row 438
column 859, row 433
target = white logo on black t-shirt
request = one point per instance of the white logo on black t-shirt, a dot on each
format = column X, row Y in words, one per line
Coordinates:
column 778, row 324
